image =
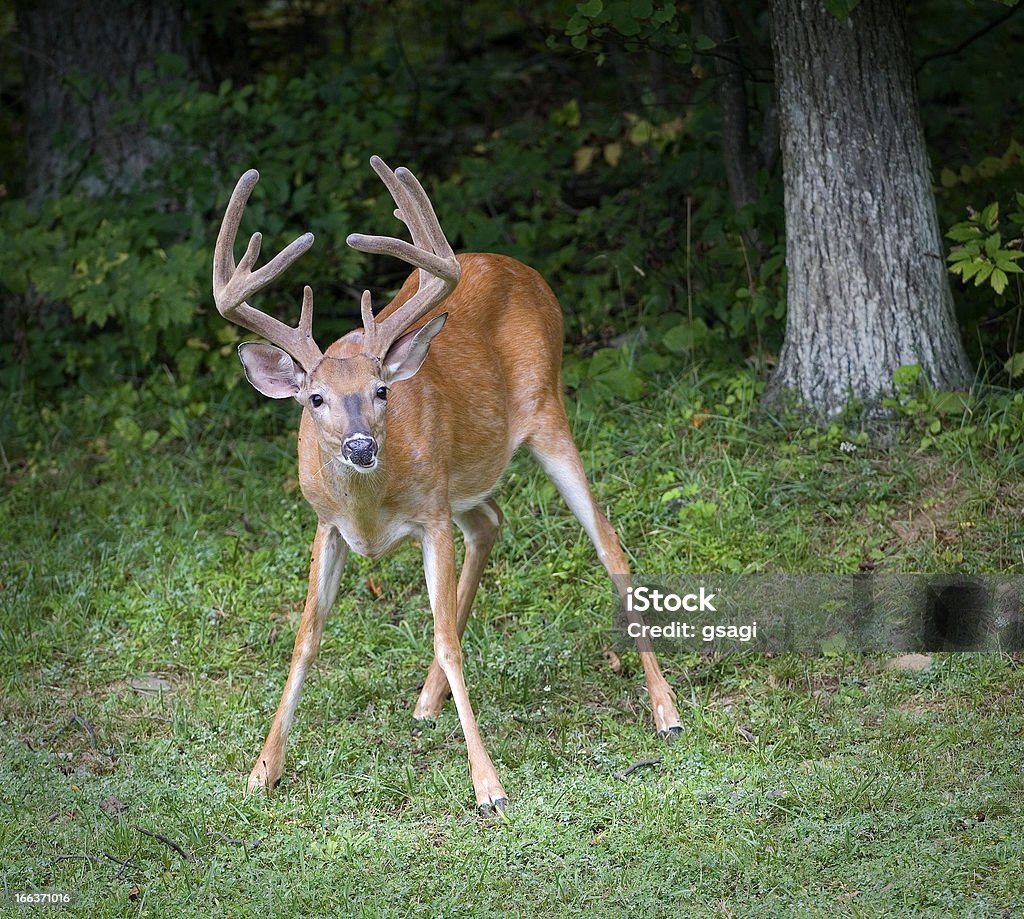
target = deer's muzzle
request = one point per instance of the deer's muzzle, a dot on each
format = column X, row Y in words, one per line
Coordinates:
column 360, row 450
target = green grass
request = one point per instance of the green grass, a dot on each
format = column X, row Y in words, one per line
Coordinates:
column 150, row 587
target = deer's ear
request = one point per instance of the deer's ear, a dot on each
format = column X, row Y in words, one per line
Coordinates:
column 270, row 370
column 406, row 355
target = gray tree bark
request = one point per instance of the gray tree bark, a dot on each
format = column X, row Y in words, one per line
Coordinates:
column 80, row 62
column 868, row 287
column 741, row 163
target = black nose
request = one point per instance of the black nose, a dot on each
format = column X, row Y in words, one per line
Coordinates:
column 360, row 450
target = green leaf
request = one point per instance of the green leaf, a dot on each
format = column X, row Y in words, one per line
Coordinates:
column 623, row 382
column 841, row 9
column 990, row 216
column 905, row 376
column 972, row 269
column 590, row 8
column 1015, row 365
column 1007, row 260
column 576, row 25
column 685, row 336
column 983, row 274
column 951, row 403
column 664, row 14
column 623, row 19
column 998, row 280
column 962, row 232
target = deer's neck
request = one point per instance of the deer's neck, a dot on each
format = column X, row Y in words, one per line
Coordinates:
column 356, row 504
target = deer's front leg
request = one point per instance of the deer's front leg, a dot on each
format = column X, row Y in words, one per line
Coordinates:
column 439, row 568
column 329, row 554
column 480, row 527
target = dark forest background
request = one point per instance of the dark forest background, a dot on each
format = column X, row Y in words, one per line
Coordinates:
column 592, row 140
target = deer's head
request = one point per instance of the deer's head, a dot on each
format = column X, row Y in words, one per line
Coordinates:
column 346, row 396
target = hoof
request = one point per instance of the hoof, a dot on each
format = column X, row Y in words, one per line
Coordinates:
column 421, row 726
column 671, row 734
column 260, row 780
column 493, row 809
column 262, row 788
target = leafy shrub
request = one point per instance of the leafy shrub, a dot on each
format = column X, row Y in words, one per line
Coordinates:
column 132, row 270
column 989, row 301
column 983, row 257
column 613, row 208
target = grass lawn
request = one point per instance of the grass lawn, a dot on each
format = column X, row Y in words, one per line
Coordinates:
column 152, row 576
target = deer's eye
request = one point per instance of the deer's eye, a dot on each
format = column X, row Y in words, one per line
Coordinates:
column 382, row 393
column 316, row 400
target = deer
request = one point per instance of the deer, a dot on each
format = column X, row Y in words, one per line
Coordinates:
column 407, row 426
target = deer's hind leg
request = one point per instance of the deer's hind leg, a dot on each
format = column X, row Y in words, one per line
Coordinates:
column 555, row 450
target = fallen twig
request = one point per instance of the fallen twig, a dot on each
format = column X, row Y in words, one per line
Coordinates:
column 74, row 719
column 166, row 842
column 622, row 773
column 106, row 858
column 78, row 719
column 64, row 856
column 125, row 865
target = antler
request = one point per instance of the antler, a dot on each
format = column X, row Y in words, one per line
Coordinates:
column 232, row 286
column 430, row 252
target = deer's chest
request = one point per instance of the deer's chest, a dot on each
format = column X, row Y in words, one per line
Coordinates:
column 374, row 535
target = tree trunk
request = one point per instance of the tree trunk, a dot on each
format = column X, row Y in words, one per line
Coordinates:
column 81, row 62
column 868, row 287
column 731, row 90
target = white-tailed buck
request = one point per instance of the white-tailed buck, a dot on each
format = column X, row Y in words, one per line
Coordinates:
column 407, row 426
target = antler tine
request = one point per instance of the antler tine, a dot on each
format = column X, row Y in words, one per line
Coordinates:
column 232, row 285
column 409, row 209
column 434, row 235
column 430, row 253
